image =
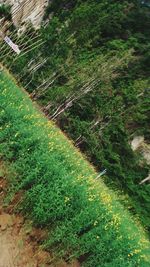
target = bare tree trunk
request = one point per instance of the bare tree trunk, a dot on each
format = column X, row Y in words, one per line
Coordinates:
column 88, row 87
column 145, row 180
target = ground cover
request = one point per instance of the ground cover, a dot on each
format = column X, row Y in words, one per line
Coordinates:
column 60, row 190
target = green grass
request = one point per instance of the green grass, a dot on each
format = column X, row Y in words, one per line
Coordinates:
column 60, row 192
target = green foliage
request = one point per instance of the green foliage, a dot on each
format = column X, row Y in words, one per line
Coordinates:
column 60, row 191
column 102, row 47
column 5, row 11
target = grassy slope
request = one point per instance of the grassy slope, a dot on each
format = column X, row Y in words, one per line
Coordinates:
column 60, row 191
column 98, row 35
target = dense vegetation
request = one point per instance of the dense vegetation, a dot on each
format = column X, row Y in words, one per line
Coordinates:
column 60, row 190
column 92, row 77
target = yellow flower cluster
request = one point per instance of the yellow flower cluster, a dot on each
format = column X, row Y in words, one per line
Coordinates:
column 95, row 223
column 105, row 197
column 67, row 199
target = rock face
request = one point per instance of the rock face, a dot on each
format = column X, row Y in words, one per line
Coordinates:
column 137, row 142
column 27, row 11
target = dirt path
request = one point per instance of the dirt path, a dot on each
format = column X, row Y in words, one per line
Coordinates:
column 14, row 249
column 19, row 241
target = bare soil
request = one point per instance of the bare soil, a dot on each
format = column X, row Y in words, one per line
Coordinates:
column 20, row 242
column 16, row 247
column 14, row 250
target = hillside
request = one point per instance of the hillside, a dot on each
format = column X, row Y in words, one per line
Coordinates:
column 88, row 68
column 59, row 189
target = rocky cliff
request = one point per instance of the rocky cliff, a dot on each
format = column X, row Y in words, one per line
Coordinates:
column 27, row 11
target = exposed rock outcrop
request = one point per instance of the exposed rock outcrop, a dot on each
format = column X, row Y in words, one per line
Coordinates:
column 27, row 11
column 139, row 144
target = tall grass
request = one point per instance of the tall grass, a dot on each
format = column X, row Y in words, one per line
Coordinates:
column 61, row 192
